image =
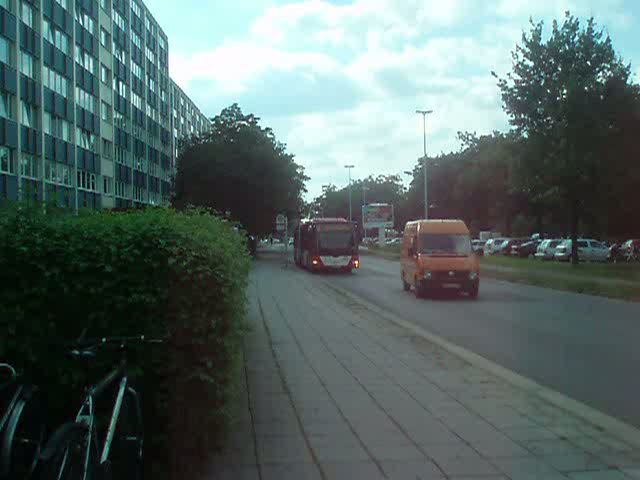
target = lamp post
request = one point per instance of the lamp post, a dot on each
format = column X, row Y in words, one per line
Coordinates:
column 424, row 114
column 349, row 167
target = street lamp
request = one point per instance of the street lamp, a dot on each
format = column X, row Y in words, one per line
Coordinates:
column 349, row 167
column 424, row 114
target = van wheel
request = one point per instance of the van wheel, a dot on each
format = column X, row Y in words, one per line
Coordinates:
column 418, row 289
column 405, row 285
column 473, row 292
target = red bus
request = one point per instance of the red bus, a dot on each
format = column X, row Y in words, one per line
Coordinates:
column 326, row 243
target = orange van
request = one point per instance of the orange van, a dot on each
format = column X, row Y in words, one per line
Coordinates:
column 437, row 254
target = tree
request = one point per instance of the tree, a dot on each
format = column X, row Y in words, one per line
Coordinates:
column 239, row 166
column 556, row 98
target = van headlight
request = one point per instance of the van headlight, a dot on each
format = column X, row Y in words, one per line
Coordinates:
column 473, row 275
column 427, row 275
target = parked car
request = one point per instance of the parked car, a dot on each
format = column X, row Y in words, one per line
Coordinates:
column 547, row 249
column 588, row 249
column 492, row 244
column 526, row 249
column 478, row 247
column 511, row 247
column 499, row 248
column 631, row 250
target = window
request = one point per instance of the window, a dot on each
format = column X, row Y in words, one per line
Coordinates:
column 136, row 39
column 26, row 64
column 84, row 59
column 85, row 139
column 119, row 21
column 122, row 88
column 56, row 37
column 106, row 148
column 26, row 14
column 105, row 38
column 85, row 100
column 86, row 180
column 120, row 189
column 85, row 20
column 54, row 81
column 63, row 3
column 136, row 8
column 105, row 112
column 29, row 166
column 29, row 114
column 136, row 70
column 6, row 4
column 58, row 173
column 136, row 100
column 105, row 74
column 138, row 194
column 6, row 105
column 6, row 160
column 107, row 185
column 105, row 5
column 6, row 51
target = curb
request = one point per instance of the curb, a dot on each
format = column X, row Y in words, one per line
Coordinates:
column 616, row 427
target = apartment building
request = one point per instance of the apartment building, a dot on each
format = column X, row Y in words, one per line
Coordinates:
column 186, row 118
column 86, row 104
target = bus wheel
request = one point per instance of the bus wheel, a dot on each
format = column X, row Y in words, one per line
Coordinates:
column 419, row 289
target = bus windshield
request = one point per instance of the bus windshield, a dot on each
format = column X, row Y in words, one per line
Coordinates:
column 445, row 244
column 334, row 237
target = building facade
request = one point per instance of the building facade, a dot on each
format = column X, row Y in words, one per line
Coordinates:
column 86, row 109
column 186, row 118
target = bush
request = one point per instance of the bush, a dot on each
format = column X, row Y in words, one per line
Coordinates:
column 151, row 271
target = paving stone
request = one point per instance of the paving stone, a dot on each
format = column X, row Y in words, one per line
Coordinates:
column 235, row 456
column 412, row 470
column 290, row 471
column 288, row 428
column 498, row 445
column 574, row 462
column 282, row 449
column 235, row 472
column 338, row 453
column 599, row 475
column 351, row 470
column 526, row 468
column 520, row 434
column 405, row 451
column 621, row 459
column 633, row 473
column 469, row 466
column 551, row 447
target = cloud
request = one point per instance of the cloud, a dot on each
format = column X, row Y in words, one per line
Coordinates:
column 340, row 82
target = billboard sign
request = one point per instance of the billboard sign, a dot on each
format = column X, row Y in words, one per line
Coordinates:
column 377, row 215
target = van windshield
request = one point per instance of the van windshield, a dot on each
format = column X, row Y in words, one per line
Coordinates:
column 445, row 244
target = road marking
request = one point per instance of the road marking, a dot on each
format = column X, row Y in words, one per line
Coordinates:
column 622, row 430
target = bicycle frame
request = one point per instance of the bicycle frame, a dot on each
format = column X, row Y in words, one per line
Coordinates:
column 86, row 414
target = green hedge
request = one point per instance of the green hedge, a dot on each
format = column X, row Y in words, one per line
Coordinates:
column 148, row 271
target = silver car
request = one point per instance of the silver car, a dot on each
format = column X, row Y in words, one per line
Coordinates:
column 547, row 249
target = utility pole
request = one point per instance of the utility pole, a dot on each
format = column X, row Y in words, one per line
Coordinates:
column 349, row 167
column 364, row 194
column 424, row 114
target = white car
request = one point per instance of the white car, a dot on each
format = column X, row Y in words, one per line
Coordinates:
column 588, row 249
column 547, row 249
column 492, row 245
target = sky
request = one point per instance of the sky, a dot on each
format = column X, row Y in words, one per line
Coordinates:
column 339, row 81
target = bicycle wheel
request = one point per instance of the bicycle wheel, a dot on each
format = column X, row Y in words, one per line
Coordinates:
column 23, row 437
column 65, row 456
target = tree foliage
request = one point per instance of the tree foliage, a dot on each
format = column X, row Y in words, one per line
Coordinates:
column 562, row 98
column 241, row 167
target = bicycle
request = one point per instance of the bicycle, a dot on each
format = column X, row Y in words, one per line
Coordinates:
column 74, row 450
column 22, row 426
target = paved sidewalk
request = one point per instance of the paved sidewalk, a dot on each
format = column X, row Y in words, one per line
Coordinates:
column 335, row 392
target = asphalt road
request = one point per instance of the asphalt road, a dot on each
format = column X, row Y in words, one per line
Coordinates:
column 582, row 346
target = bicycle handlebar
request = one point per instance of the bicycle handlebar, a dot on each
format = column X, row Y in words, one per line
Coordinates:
column 115, row 341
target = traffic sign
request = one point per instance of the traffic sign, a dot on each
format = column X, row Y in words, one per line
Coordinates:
column 281, row 223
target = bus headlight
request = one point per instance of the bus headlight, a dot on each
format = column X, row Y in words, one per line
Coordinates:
column 427, row 275
column 473, row 276
column 356, row 263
